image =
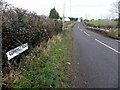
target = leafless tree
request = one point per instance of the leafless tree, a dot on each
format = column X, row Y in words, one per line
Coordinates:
column 115, row 9
column 3, row 5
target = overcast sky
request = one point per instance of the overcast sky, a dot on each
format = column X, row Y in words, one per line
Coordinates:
column 90, row 9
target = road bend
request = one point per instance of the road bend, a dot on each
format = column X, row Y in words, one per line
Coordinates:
column 96, row 59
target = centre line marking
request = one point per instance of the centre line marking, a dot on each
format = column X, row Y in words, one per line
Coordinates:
column 79, row 29
column 86, row 33
column 107, row 46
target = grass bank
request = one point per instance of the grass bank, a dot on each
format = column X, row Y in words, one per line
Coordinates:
column 47, row 66
column 105, row 27
column 105, row 23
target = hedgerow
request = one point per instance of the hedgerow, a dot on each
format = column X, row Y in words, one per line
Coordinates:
column 20, row 26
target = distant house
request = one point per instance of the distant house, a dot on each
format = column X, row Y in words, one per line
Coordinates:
column 67, row 19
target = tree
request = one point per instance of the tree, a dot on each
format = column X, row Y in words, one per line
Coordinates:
column 116, row 10
column 119, row 18
column 73, row 19
column 4, row 5
column 54, row 14
column 115, row 7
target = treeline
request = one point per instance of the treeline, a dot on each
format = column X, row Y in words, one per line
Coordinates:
column 73, row 19
column 20, row 26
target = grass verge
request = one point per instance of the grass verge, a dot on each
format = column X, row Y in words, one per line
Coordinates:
column 47, row 66
column 112, row 33
column 106, row 23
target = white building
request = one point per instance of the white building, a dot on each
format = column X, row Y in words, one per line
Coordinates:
column 67, row 19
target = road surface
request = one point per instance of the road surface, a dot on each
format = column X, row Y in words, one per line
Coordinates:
column 96, row 59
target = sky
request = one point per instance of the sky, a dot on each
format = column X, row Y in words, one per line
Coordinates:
column 88, row 9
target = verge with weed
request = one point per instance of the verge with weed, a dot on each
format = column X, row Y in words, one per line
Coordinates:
column 47, row 66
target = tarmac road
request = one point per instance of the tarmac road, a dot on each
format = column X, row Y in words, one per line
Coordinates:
column 96, row 59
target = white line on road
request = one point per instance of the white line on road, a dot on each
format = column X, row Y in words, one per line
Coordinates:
column 107, row 46
column 86, row 33
column 81, row 30
column 118, row 40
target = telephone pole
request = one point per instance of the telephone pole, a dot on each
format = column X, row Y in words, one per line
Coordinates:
column 70, row 9
column 63, row 19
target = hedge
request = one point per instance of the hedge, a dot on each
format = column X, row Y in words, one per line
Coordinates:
column 20, row 26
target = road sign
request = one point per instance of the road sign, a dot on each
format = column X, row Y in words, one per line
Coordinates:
column 16, row 51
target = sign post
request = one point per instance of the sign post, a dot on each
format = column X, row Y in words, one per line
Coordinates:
column 16, row 51
column 63, row 19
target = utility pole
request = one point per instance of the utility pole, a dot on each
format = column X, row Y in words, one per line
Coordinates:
column 70, row 9
column 63, row 19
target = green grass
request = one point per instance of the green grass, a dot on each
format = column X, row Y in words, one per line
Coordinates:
column 71, row 24
column 104, row 23
column 46, row 67
column 113, row 31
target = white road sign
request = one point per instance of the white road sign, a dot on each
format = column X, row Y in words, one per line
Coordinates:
column 16, row 51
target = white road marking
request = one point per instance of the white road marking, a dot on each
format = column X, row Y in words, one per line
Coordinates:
column 79, row 28
column 102, row 42
column 107, row 46
column 118, row 40
column 86, row 33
